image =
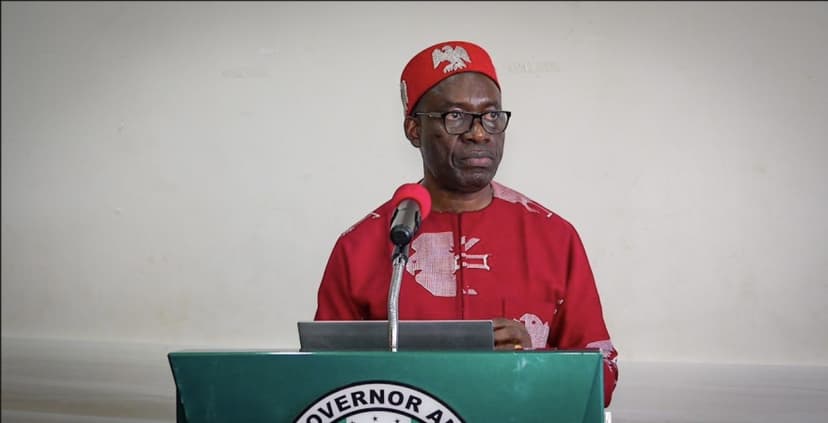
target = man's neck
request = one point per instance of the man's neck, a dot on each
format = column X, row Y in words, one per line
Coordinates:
column 457, row 202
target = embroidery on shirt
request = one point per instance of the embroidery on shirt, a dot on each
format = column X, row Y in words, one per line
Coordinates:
column 606, row 347
column 514, row 197
column 468, row 262
column 538, row 329
column 434, row 262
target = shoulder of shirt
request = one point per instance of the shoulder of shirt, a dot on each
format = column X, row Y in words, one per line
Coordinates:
column 527, row 205
column 373, row 221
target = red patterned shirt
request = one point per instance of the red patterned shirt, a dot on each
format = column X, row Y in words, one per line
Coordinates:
column 512, row 259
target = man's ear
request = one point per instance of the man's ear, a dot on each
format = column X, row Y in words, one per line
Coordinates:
column 411, row 126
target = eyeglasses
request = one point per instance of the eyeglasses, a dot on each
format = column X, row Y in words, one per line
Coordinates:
column 458, row 123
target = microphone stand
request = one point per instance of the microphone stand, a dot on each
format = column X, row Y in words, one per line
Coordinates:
column 399, row 260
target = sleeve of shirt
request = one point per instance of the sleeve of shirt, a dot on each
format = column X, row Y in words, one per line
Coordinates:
column 334, row 299
column 580, row 322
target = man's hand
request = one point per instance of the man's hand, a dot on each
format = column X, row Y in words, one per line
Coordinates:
column 510, row 335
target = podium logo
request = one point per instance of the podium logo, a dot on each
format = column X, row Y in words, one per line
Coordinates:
column 378, row 402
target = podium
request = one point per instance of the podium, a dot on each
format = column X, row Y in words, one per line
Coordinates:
column 382, row 386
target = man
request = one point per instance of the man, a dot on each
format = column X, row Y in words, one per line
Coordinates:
column 485, row 251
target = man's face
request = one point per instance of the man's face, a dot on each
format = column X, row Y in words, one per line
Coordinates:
column 461, row 163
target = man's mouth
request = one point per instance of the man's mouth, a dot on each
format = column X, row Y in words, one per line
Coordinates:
column 477, row 159
column 482, row 161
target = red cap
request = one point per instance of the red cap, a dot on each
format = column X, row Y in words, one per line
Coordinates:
column 414, row 192
column 438, row 62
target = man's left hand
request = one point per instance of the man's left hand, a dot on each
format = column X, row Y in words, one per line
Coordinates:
column 510, row 335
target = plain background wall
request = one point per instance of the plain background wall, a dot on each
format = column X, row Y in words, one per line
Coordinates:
column 177, row 173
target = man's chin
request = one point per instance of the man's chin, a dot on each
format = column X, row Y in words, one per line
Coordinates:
column 473, row 182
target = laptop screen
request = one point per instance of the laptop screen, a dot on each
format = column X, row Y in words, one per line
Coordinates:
column 412, row 335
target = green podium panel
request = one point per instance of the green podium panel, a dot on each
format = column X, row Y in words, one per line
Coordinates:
column 426, row 387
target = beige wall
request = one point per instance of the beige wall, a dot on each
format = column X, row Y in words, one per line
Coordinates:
column 176, row 173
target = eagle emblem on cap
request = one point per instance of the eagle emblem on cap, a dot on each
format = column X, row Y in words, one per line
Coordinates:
column 456, row 56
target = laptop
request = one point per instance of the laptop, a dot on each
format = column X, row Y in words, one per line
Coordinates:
column 412, row 335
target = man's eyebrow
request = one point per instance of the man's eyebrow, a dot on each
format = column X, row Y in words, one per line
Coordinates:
column 464, row 105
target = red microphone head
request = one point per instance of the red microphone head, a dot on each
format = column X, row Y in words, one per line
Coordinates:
column 414, row 192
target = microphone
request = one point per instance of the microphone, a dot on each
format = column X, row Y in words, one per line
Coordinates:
column 413, row 206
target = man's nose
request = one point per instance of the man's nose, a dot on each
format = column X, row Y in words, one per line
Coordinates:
column 476, row 133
